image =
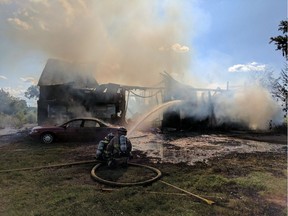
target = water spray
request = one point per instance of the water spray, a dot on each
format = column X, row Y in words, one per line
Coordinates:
column 162, row 106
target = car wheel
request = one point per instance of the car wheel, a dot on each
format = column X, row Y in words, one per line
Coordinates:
column 47, row 138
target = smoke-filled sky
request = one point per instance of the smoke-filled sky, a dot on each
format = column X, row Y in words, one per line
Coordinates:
column 206, row 43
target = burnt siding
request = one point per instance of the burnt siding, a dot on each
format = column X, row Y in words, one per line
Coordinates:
column 59, row 102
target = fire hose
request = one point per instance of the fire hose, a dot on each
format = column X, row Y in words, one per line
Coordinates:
column 158, row 176
column 145, row 182
column 97, row 178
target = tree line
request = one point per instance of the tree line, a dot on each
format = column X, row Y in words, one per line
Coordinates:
column 14, row 112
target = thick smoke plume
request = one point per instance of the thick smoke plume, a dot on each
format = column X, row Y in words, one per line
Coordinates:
column 126, row 42
column 252, row 106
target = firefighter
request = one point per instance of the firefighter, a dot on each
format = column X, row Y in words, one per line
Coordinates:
column 119, row 147
column 101, row 153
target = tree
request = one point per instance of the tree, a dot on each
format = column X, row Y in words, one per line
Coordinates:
column 5, row 99
column 32, row 92
column 265, row 79
column 14, row 111
column 281, row 40
column 10, row 105
column 280, row 90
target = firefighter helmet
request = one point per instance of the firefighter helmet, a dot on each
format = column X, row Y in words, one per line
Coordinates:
column 122, row 130
column 109, row 136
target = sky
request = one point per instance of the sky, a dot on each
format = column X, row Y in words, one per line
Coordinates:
column 204, row 43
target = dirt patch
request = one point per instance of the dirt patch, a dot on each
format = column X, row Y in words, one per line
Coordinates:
column 277, row 200
column 189, row 148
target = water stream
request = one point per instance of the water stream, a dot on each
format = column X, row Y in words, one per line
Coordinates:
column 160, row 107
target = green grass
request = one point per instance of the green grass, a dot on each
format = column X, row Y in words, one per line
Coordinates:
column 247, row 184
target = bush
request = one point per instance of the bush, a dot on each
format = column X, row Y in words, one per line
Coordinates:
column 14, row 112
column 17, row 121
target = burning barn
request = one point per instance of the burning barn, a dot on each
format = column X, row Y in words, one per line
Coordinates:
column 196, row 110
column 68, row 90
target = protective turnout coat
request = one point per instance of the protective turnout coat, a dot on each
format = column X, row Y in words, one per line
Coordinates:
column 119, row 146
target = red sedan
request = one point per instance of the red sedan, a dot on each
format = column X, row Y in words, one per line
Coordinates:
column 79, row 129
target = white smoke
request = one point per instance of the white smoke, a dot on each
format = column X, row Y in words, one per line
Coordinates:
column 128, row 42
column 121, row 39
column 253, row 106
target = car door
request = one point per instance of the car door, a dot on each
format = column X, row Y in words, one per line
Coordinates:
column 74, row 130
column 94, row 130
